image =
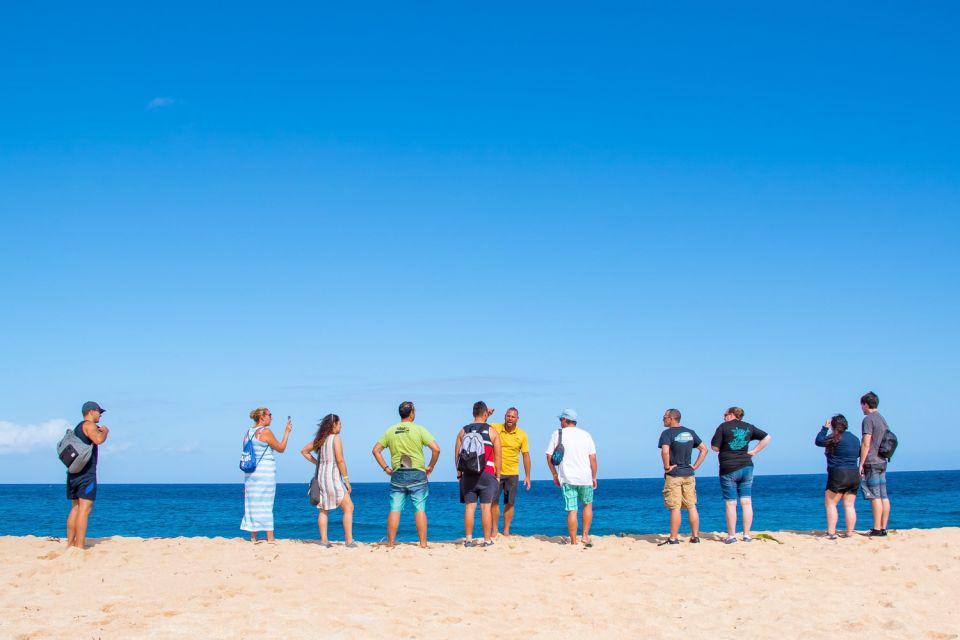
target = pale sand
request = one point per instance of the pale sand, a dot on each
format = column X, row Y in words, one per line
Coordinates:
column 904, row 586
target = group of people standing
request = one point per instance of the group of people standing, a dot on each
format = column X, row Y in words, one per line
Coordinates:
column 493, row 473
column 851, row 465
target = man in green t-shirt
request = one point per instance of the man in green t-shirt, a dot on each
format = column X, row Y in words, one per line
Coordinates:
column 408, row 475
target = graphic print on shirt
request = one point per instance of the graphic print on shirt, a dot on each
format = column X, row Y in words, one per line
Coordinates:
column 739, row 441
column 683, row 436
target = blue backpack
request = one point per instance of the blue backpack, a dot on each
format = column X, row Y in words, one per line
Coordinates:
column 248, row 455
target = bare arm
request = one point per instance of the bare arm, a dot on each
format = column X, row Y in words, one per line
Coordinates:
column 760, row 446
column 553, row 470
column 864, row 449
column 307, row 453
column 341, row 463
column 665, row 456
column 434, row 456
column 378, row 454
column 701, row 456
column 266, row 435
column 593, row 468
column 456, row 452
column 497, row 452
column 526, row 470
column 96, row 433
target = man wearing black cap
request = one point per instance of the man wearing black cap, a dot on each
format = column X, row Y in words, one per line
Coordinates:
column 82, row 486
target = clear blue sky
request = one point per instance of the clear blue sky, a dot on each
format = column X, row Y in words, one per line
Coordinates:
column 618, row 208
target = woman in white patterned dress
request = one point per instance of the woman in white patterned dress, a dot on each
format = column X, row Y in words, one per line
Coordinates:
column 260, row 487
column 332, row 478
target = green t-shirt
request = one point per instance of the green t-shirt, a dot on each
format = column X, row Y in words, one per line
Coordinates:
column 406, row 441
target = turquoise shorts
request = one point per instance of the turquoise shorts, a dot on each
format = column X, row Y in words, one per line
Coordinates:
column 573, row 492
column 409, row 483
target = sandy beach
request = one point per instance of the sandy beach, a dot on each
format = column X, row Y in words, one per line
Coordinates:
column 904, row 586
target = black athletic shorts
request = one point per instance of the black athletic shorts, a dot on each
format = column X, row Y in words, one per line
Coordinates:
column 82, row 487
column 843, row 480
column 508, row 489
column 482, row 487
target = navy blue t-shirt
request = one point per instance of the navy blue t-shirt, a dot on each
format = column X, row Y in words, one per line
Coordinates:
column 733, row 438
column 682, row 442
column 846, row 455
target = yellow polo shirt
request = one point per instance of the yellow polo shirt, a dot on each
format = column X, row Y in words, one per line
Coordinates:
column 511, row 446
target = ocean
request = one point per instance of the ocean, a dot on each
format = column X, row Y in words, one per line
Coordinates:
column 787, row 502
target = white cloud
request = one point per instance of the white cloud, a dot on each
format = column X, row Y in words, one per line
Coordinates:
column 16, row 438
column 159, row 102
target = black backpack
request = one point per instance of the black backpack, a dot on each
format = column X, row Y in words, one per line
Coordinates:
column 888, row 444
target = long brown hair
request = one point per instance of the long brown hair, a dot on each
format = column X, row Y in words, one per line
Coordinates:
column 324, row 429
column 839, row 424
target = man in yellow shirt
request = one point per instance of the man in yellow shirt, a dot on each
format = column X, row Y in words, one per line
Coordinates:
column 513, row 442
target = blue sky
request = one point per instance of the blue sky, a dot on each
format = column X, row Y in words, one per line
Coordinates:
column 618, row 208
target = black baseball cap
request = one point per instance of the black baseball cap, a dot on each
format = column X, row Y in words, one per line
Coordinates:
column 90, row 405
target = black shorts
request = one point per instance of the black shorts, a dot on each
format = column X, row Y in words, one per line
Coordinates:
column 843, row 480
column 508, row 489
column 482, row 487
column 83, row 487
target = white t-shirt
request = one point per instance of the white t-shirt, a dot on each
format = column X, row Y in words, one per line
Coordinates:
column 578, row 446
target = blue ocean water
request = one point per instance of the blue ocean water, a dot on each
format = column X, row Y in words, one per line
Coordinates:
column 794, row 502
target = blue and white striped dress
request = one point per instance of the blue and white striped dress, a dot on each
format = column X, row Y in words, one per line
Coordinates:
column 259, row 488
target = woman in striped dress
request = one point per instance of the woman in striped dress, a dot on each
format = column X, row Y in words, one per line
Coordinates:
column 260, row 487
column 332, row 477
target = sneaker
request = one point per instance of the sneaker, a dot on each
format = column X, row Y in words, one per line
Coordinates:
column 352, row 545
column 747, row 538
column 695, row 539
column 729, row 540
column 877, row 533
column 487, row 543
column 673, row 541
column 468, row 543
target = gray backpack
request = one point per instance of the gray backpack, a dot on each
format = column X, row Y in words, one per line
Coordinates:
column 73, row 452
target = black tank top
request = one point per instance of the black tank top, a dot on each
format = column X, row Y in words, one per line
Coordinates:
column 91, row 467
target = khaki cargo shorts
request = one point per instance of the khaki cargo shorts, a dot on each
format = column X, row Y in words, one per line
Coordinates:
column 679, row 492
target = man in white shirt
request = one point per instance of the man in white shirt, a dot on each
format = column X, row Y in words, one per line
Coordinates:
column 575, row 473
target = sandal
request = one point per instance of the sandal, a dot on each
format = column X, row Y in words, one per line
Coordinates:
column 729, row 540
column 831, row 536
column 695, row 539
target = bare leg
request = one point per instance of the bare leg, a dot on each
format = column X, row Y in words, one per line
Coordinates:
column 495, row 516
column 746, row 505
column 269, row 536
column 485, row 521
column 323, row 519
column 572, row 526
column 587, row 521
column 507, row 518
column 469, row 514
column 885, row 517
column 72, row 523
column 694, row 516
column 253, row 536
column 83, row 517
column 830, row 500
column 393, row 523
column 850, row 511
column 674, row 523
column 876, row 506
column 347, row 506
column 731, row 512
column 420, row 519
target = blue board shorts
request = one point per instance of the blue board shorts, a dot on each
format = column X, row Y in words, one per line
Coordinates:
column 82, row 487
column 873, row 486
column 737, row 484
column 412, row 484
column 573, row 492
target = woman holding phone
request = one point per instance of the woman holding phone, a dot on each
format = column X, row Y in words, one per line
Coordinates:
column 260, row 487
column 332, row 478
column 842, row 450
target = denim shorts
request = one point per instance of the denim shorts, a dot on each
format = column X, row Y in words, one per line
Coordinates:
column 737, row 484
column 410, row 483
